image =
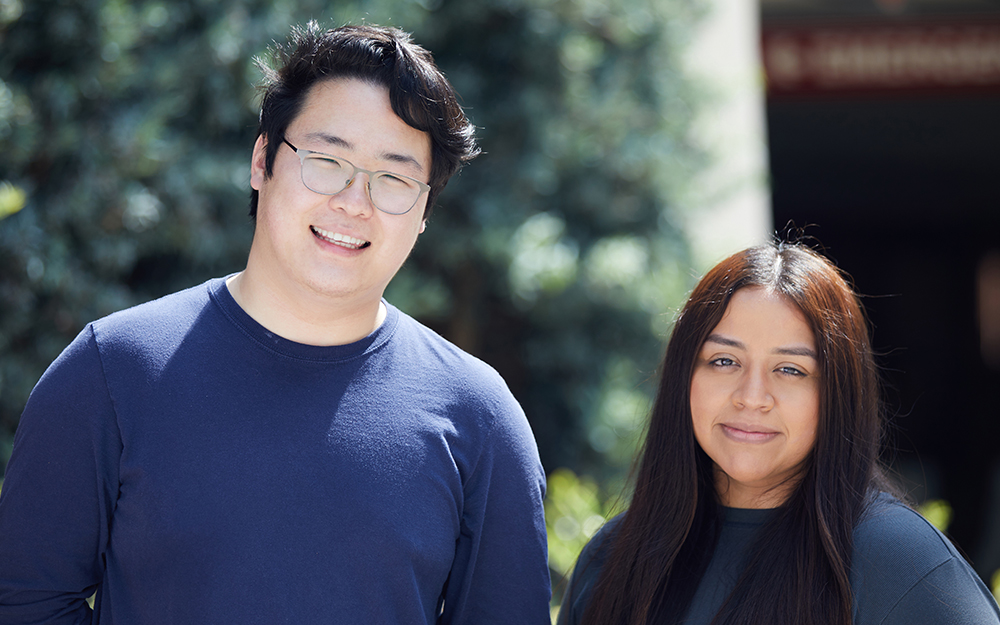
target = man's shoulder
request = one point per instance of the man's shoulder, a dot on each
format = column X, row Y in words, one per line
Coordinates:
column 171, row 305
column 124, row 345
column 437, row 352
column 157, row 319
column 448, row 371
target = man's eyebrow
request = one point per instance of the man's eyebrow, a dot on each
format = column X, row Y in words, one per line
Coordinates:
column 784, row 351
column 340, row 142
column 333, row 140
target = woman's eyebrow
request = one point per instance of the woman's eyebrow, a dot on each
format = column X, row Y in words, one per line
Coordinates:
column 784, row 351
column 797, row 351
column 722, row 340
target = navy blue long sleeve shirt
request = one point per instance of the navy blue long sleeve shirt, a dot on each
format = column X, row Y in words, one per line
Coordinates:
column 191, row 467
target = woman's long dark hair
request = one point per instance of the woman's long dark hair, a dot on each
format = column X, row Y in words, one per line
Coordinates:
column 797, row 572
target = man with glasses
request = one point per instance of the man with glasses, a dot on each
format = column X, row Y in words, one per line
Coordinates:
column 282, row 445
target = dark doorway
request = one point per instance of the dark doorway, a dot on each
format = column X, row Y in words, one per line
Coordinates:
column 903, row 189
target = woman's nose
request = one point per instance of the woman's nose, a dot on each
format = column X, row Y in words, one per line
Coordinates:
column 753, row 393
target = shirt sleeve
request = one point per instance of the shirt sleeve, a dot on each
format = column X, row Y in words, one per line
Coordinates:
column 59, row 493
column 951, row 594
column 500, row 572
column 906, row 572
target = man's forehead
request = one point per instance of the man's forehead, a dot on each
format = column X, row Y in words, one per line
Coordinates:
column 337, row 142
column 356, row 115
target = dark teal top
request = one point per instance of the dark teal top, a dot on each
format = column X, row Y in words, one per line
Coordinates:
column 904, row 571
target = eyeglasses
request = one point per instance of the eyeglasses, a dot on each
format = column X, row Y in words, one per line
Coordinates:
column 391, row 193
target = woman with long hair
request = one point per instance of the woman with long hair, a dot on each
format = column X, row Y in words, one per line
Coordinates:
column 759, row 498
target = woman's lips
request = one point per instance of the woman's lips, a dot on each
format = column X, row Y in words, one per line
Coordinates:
column 748, row 433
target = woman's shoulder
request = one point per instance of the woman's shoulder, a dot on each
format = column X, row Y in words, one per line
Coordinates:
column 904, row 570
column 587, row 571
column 591, row 560
column 891, row 531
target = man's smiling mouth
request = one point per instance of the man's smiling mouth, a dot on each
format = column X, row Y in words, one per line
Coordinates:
column 340, row 239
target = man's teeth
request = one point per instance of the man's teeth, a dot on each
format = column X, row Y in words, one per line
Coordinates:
column 340, row 239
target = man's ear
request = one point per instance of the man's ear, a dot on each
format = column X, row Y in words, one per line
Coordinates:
column 258, row 163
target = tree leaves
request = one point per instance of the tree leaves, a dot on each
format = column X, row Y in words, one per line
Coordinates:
column 556, row 256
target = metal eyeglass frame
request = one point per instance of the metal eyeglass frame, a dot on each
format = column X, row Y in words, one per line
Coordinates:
column 303, row 153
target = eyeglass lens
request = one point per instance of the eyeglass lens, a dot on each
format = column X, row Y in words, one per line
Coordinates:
column 330, row 175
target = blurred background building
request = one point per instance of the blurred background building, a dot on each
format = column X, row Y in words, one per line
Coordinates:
column 883, row 123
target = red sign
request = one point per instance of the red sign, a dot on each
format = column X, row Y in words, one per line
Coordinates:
column 866, row 57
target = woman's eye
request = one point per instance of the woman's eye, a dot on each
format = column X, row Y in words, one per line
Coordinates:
column 790, row 371
column 722, row 362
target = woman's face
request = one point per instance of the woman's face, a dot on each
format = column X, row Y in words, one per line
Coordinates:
column 755, row 398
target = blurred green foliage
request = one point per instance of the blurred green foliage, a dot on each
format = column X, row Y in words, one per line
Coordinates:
column 938, row 512
column 574, row 510
column 557, row 256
